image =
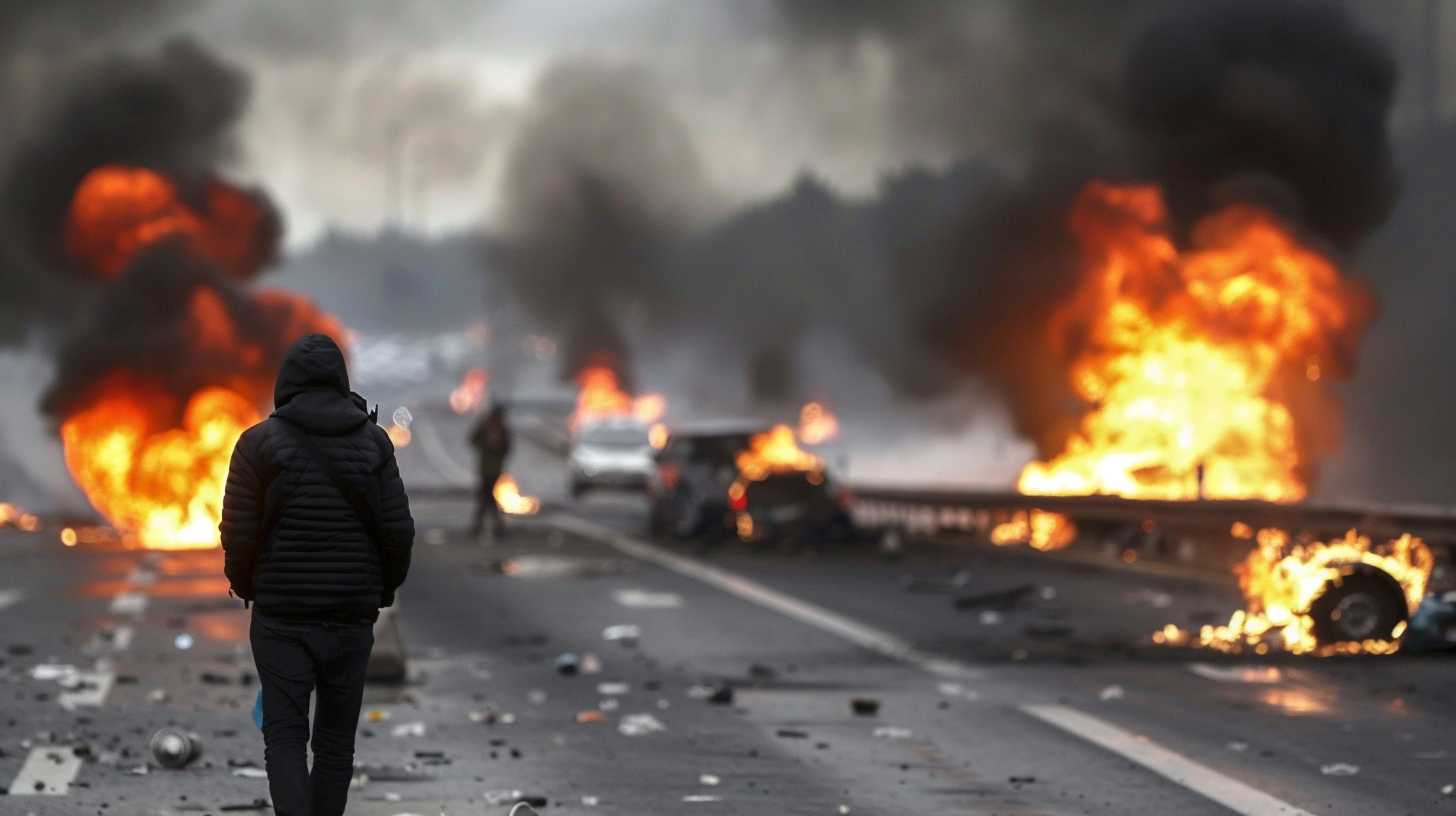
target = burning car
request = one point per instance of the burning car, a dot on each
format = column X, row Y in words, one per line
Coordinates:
column 747, row 481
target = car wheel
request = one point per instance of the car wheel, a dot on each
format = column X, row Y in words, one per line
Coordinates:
column 1365, row 605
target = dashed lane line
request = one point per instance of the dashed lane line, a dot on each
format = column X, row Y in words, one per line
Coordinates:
column 875, row 640
column 1229, row 792
column 48, row 771
column 1238, row 797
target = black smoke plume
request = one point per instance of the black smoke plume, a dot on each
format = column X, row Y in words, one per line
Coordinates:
column 945, row 275
column 180, row 314
column 172, row 111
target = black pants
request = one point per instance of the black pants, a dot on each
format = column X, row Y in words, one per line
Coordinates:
column 485, row 504
column 295, row 659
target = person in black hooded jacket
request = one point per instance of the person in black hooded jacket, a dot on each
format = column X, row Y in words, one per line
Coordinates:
column 316, row 564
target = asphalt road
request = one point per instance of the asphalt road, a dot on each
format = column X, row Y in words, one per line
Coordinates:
column 1056, row 705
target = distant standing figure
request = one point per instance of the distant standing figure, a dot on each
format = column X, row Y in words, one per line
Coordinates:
column 492, row 442
column 316, row 533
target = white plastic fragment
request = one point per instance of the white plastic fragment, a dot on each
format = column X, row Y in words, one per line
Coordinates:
column 409, row 729
column 637, row 725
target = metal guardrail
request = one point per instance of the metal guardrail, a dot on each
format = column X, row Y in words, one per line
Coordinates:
column 1192, row 534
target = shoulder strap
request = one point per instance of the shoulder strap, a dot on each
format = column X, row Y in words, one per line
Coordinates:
column 357, row 502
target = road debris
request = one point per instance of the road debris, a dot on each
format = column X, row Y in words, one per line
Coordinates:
column 409, row 729
column 710, row 780
column 623, row 634
column 1000, row 600
column 613, row 689
column 864, row 706
column 637, row 725
column 1109, row 693
column 893, row 732
column 1339, row 769
column 567, row 663
column 931, row 586
column 791, row 733
column 173, row 748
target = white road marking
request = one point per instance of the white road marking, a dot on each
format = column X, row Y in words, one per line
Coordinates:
column 92, row 691
column 129, row 603
column 874, row 640
column 48, row 771
column 645, row 599
column 1229, row 792
column 1259, row 675
column 10, row 597
column 1226, row 791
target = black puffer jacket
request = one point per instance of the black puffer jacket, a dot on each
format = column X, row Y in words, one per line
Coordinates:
column 317, row 561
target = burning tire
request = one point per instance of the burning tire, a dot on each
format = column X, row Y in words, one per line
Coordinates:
column 1365, row 604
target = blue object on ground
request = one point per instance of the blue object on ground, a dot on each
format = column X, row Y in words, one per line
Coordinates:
column 1432, row 627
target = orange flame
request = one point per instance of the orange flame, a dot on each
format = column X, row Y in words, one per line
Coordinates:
column 468, row 396
column 511, row 500
column 163, row 483
column 600, row 396
column 776, row 451
column 153, row 459
column 817, row 424
column 1192, row 363
column 1281, row 579
column 1037, row 529
column 117, row 211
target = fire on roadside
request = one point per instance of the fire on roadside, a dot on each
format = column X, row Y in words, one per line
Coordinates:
column 159, row 481
column 600, row 396
column 467, row 397
column 1037, row 529
column 151, row 451
column 1202, row 368
column 13, row 515
column 817, row 424
column 1283, row 577
column 511, row 501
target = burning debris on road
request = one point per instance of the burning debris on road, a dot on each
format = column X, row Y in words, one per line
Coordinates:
column 1343, row 596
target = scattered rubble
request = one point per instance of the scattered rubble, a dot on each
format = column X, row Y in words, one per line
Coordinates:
column 864, row 706
column 409, row 729
column 623, row 634
column 1339, row 769
column 637, row 725
column 173, row 748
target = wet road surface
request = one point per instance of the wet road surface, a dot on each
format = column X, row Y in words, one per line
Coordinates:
column 1053, row 705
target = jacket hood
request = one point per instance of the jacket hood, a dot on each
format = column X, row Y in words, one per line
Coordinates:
column 313, row 388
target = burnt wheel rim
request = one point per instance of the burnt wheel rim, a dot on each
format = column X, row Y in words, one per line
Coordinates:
column 1357, row 616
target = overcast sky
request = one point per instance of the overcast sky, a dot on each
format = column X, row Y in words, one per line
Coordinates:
column 343, row 88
